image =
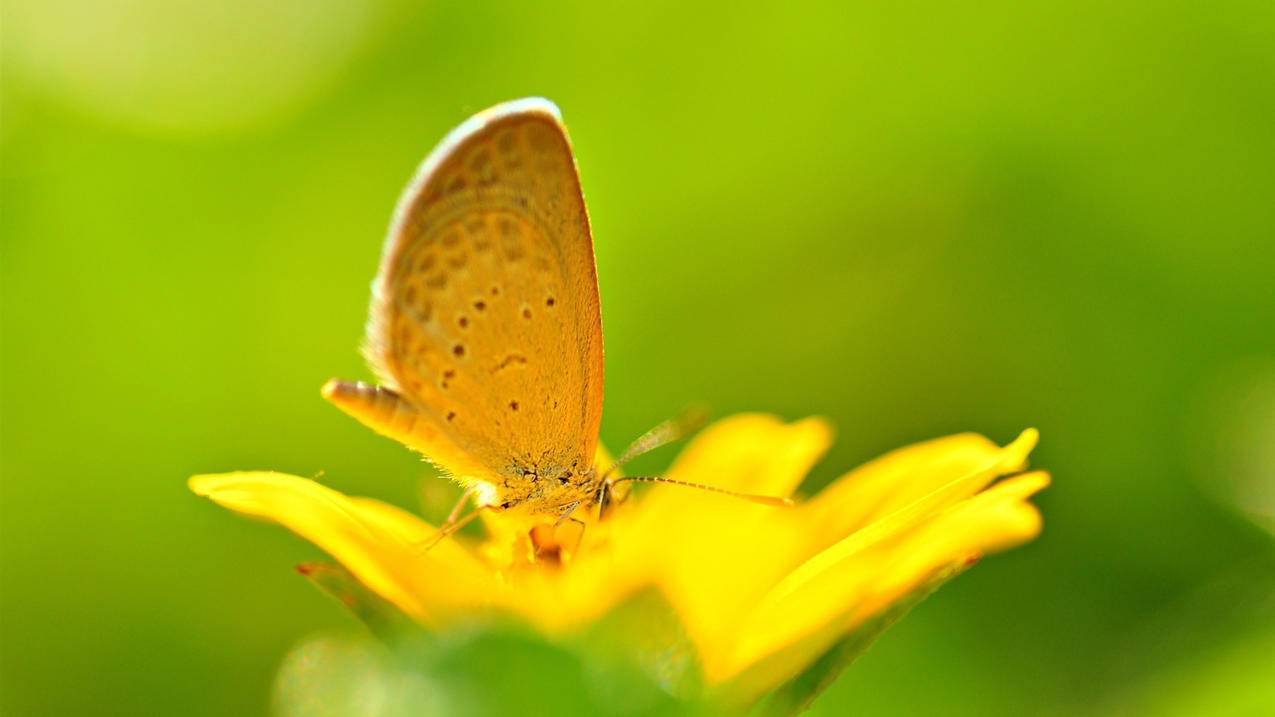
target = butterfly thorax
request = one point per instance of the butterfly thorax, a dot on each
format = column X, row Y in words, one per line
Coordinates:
column 545, row 487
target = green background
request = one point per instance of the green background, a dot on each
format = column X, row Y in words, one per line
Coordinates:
column 915, row 219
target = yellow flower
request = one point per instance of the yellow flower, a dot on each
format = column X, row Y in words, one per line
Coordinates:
column 761, row 592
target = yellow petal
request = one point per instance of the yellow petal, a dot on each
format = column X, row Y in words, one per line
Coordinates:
column 713, row 555
column 996, row 519
column 754, row 453
column 923, row 476
column 751, row 453
column 382, row 546
column 859, row 577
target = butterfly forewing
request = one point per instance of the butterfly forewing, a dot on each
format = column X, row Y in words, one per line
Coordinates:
column 485, row 312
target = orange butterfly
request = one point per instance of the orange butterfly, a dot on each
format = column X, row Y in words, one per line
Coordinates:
column 485, row 329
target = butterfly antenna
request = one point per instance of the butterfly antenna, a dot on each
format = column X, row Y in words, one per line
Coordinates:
column 750, row 497
column 688, row 422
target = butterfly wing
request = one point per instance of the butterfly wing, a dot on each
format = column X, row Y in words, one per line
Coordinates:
column 485, row 328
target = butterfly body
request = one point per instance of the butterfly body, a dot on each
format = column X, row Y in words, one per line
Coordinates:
column 485, row 330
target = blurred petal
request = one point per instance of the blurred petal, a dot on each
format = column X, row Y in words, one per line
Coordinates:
column 921, row 477
column 996, row 519
column 711, row 555
column 382, row 546
column 865, row 573
column 754, row 453
column 793, row 676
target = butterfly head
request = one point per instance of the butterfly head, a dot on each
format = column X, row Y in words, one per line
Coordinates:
column 542, row 486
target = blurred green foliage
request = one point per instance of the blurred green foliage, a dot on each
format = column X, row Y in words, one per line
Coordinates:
column 463, row 674
column 915, row 219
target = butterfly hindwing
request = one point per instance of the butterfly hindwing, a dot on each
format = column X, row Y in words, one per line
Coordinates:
column 485, row 318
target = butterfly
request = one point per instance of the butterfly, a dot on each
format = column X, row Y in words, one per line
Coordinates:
column 485, row 328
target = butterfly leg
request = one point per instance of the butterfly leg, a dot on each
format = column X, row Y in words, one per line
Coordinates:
column 567, row 514
column 580, row 538
column 603, row 497
column 456, row 509
column 449, row 528
column 567, row 510
column 674, row 429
